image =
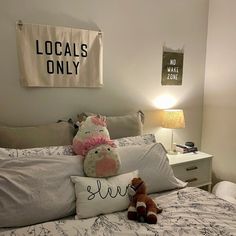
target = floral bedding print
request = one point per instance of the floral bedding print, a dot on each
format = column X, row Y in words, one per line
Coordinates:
column 68, row 150
column 35, row 152
column 188, row 211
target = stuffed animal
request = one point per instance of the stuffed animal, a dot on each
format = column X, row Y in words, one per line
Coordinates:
column 93, row 142
column 141, row 208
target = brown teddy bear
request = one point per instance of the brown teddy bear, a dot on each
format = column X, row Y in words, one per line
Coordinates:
column 141, row 208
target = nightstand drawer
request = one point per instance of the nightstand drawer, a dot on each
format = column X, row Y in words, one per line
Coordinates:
column 196, row 173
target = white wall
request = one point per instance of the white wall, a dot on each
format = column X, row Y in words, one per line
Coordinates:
column 219, row 126
column 134, row 33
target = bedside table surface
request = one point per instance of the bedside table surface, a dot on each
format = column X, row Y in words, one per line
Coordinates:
column 187, row 157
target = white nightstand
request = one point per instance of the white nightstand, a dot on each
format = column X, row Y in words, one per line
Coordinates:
column 194, row 168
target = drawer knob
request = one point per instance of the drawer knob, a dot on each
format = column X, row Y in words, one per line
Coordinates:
column 191, row 180
column 192, row 168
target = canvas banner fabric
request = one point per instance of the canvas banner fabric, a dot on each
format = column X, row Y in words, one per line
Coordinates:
column 52, row 56
column 172, row 67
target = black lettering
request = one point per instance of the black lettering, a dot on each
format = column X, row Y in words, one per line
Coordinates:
column 76, row 64
column 57, row 46
column 60, row 67
column 84, row 50
column 37, row 48
column 67, row 49
column 67, row 68
column 109, row 191
column 75, row 54
column 48, row 47
column 92, row 196
column 50, row 67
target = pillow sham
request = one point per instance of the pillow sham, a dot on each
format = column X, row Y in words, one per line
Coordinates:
column 35, row 190
column 135, row 140
column 153, row 165
column 37, row 152
column 67, row 150
column 95, row 196
column 55, row 134
column 121, row 126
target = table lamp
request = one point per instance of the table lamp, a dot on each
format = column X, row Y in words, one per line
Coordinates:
column 173, row 119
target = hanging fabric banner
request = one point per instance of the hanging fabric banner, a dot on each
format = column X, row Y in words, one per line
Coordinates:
column 52, row 56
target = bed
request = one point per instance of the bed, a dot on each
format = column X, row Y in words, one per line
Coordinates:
column 37, row 196
column 189, row 211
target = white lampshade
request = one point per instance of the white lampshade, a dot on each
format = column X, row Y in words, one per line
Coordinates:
column 173, row 119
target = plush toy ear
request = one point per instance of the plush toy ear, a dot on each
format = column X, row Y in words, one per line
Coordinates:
column 102, row 118
column 99, row 120
column 79, row 123
column 82, row 117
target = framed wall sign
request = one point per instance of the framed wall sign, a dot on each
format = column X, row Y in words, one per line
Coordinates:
column 172, row 68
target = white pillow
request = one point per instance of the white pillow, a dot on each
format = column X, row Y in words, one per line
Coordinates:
column 34, row 190
column 153, row 165
column 95, row 196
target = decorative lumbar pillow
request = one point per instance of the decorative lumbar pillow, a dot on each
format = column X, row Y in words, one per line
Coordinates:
column 55, row 134
column 39, row 189
column 93, row 142
column 121, row 126
column 95, row 196
column 153, row 165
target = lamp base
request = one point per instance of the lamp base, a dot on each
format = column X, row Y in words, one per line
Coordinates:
column 170, row 152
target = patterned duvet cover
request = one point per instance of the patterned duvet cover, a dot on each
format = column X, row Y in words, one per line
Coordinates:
column 188, row 211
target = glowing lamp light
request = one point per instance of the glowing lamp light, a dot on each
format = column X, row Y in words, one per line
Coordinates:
column 164, row 102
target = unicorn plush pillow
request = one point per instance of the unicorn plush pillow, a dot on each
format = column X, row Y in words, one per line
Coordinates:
column 93, row 142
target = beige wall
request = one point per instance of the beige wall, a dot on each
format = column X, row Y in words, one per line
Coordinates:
column 219, row 126
column 134, row 33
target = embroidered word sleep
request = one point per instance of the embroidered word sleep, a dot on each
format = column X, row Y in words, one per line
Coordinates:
column 63, row 58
